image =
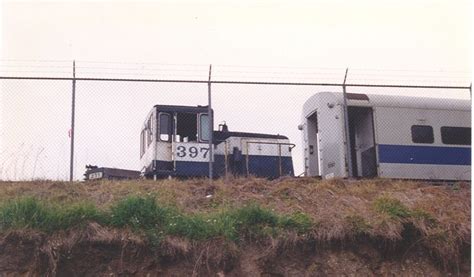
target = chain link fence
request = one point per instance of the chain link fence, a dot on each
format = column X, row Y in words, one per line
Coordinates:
column 283, row 123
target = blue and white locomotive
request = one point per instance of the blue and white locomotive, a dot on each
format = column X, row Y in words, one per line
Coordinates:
column 174, row 142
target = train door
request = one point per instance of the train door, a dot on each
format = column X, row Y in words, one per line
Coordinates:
column 361, row 133
column 312, row 146
column 164, row 142
column 325, row 150
column 190, row 145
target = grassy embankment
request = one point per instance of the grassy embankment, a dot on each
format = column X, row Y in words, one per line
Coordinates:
column 243, row 209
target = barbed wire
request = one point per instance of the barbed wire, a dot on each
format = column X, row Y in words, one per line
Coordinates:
column 250, row 72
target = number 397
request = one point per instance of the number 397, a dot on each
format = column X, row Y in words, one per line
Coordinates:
column 192, row 152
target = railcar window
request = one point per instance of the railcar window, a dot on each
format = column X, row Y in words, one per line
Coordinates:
column 204, row 127
column 165, row 127
column 456, row 135
column 149, row 131
column 142, row 143
column 422, row 134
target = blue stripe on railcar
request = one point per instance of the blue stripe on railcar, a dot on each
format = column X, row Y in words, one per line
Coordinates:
column 411, row 154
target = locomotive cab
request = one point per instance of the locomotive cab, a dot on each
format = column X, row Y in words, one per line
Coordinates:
column 175, row 138
column 174, row 141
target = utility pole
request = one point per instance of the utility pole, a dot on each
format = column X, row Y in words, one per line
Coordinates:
column 73, row 110
column 211, row 126
column 346, row 125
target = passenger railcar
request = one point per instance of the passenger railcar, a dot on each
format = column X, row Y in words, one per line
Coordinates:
column 174, row 141
column 390, row 136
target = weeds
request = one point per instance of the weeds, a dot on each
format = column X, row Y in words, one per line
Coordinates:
column 25, row 213
column 298, row 221
column 144, row 214
column 139, row 213
column 76, row 215
column 392, row 207
column 30, row 213
column 396, row 210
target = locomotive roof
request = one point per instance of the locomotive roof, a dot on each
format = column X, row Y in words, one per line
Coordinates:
column 176, row 108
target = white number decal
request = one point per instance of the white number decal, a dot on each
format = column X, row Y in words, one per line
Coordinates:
column 95, row 175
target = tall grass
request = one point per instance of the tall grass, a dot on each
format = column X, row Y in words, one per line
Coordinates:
column 139, row 213
column 145, row 214
column 31, row 213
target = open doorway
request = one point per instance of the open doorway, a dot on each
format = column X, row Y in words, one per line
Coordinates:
column 186, row 127
column 361, row 133
column 312, row 152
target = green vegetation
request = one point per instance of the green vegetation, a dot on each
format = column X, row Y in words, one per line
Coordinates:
column 31, row 213
column 392, row 207
column 248, row 209
column 397, row 211
column 145, row 214
column 423, row 215
column 299, row 221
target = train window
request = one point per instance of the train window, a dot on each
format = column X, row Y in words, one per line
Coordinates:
column 422, row 134
column 204, row 127
column 149, row 131
column 186, row 127
column 165, row 127
column 142, row 143
column 456, row 135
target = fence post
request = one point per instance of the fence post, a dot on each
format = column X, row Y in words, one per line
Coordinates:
column 73, row 110
column 211, row 126
column 346, row 126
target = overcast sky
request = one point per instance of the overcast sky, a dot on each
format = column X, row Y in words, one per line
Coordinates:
column 425, row 42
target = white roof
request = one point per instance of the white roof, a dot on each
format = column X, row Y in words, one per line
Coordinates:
column 377, row 100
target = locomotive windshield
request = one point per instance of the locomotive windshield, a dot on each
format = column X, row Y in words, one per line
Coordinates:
column 165, row 127
column 204, row 127
column 190, row 127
